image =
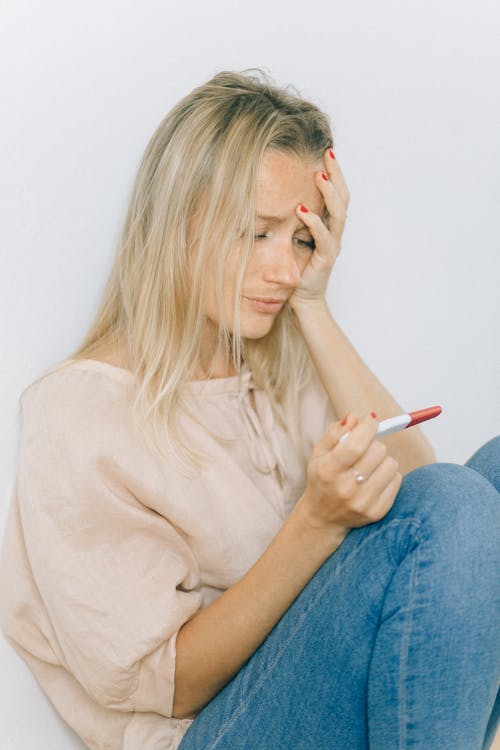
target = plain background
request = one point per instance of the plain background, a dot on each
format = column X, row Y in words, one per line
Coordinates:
column 412, row 91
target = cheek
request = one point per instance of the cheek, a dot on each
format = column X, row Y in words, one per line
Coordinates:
column 229, row 283
column 231, row 273
column 213, row 270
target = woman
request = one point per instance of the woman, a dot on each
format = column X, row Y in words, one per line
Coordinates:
column 192, row 559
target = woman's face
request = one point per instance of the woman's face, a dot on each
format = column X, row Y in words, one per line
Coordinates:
column 282, row 248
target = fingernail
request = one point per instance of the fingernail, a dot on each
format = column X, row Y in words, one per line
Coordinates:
column 332, row 154
column 373, row 415
column 324, row 176
column 304, row 209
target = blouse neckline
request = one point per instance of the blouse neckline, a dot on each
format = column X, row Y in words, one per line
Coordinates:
column 233, row 384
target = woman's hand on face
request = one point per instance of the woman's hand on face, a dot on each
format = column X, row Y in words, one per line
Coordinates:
column 327, row 236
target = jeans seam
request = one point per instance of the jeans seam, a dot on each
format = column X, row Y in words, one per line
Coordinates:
column 403, row 662
column 355, row 551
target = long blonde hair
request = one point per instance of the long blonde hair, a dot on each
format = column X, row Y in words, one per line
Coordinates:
column 195, row 190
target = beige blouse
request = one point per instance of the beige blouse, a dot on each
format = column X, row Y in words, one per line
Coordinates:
column 108, row 550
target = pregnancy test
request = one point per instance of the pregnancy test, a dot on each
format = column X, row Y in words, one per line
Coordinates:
column 402, row 421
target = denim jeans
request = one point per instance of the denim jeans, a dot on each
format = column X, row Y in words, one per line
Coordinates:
column 393, row 643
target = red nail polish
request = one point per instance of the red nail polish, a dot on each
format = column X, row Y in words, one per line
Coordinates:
column 324, row 176
column 372, row 413
column 304, row 209
column 332, row 154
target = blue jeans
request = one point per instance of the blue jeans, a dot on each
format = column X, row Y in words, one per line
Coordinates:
column 393, row 643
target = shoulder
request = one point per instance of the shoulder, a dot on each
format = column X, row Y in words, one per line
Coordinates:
column 82, row 403
column 79, row 444
column 73, row 381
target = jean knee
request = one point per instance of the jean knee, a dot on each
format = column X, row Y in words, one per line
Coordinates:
column 449, row 492
column 458, row 527
column 486, row 461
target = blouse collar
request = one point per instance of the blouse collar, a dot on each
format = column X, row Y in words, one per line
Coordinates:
column 239, row 383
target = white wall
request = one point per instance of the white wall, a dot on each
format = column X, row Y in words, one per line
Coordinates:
column 412, row 90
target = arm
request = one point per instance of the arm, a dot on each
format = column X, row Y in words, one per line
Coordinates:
column 216, row 642
column 352, row 386
column 213, row 645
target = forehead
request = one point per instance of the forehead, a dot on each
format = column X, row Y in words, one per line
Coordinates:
column 284, row 181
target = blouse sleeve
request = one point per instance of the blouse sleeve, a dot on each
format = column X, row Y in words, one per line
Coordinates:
column 116, row 578
column 317, row 412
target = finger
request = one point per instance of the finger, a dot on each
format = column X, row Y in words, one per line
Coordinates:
column 385, row 499
column 377, row 483
column 326, row 244
column 334, row 203
column 355, row 445
column 370, row 460
column 335, row 174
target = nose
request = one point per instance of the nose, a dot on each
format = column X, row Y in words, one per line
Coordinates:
column 281, row 267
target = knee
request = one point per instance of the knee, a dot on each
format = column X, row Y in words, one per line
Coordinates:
column 455, row 516
column 451, row 493
column 486, row 461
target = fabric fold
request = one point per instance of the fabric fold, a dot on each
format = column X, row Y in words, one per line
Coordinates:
column 109, row 549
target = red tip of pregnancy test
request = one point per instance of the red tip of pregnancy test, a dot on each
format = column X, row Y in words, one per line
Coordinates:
column 422, row 414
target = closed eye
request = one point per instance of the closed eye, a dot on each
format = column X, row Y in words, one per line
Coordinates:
column 303, row 243
column 310, row 244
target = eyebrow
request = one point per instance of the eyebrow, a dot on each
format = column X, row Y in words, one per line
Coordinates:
column 269, row 217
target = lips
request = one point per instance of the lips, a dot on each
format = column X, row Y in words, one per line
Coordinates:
column 266, row 305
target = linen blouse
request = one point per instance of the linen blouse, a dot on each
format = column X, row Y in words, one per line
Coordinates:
column 108, row 550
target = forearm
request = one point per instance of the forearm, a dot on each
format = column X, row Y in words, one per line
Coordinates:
column 352, row 386
column 216, row 642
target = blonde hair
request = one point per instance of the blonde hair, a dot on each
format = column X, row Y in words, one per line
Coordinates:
column 195, row 190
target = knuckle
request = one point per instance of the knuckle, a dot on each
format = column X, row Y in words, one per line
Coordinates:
column 367, row 513
column 344, row 489
column 324, row 473
column 391, row 463
column 381, row 449
column 356, row 446
column 360, row 506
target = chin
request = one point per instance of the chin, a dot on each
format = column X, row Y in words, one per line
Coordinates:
column 256, row 330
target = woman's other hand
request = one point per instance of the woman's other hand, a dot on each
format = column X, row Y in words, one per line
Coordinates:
column 333, row 497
